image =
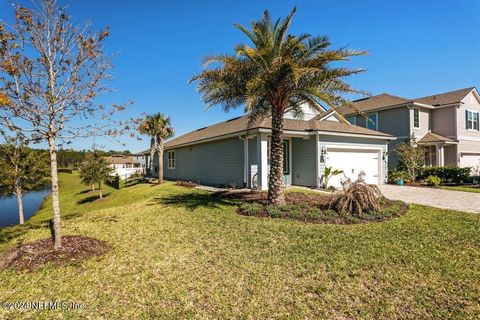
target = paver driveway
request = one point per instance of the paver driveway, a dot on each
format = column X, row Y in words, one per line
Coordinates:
column 445, row 199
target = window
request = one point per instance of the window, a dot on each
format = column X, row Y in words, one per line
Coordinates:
column 472, row 120
column 372, row 121
column 352, row 119
column 416, row 118
column 171, row 159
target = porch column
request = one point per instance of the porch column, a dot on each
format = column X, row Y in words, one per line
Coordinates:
column 440, row 155
column 262, row 161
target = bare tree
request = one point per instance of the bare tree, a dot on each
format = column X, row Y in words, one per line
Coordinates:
column 412, row 157
column 51, row 71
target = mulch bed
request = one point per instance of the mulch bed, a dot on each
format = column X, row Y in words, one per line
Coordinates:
column 309, row 207
column 291, row 198
column 34, row 255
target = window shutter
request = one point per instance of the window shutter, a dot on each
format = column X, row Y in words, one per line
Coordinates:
column 466, row 119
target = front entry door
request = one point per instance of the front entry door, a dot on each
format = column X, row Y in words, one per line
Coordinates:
column 287, row 174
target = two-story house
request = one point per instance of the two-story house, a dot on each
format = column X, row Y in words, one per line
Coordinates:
column 445, row 124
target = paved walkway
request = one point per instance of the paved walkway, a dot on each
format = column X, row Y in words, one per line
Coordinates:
column 445, row 199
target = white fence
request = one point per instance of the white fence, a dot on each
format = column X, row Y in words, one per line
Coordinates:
column 124, row 173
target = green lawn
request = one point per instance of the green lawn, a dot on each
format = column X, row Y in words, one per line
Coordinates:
column 461, row 188
column 178, row 253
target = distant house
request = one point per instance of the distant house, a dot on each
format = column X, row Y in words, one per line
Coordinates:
column 143, row 158
column 236, row 152
column 445, row 124
column 124, row 166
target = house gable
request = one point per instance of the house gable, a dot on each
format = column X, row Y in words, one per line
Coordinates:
column 307, row 113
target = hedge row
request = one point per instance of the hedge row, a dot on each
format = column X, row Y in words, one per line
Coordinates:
column 447, row 174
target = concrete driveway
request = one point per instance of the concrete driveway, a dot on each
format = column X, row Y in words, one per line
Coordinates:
column 445, row 199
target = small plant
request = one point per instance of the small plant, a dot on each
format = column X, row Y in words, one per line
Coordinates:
column 395, row 176
column 275, row 211
column 251, row 209
column 186, row 184
column 433, row 181
column 329, row 173
column 313, row 214
column 293, row 211
column 331, row 189
column 357, row 198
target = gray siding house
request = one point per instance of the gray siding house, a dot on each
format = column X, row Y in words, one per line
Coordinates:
column 235, row 152
column 445, row 124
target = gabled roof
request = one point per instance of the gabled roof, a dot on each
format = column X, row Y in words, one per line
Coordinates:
column 445, row 98
column 385, row 100
column 142, row 153
column 433, row 137
column 373, row 102
column 241, row 124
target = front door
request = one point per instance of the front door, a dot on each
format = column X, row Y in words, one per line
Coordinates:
column 287, row 174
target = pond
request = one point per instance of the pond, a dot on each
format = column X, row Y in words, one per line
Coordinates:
column 31, row 203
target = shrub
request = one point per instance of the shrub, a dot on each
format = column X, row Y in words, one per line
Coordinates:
column 275, row 211
column 65, row 170
column 251, row 209
column 313, row 214
column 186, row 184
column 357, row 198
column 331, row 189
column 293, row 212
column 433, row 181
column 446, row 174
column 394, row 176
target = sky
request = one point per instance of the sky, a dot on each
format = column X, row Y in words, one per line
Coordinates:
column 416, row 48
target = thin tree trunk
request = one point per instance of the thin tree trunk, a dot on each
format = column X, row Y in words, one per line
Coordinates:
column 18, row 192
column 57, row 225
column 100, row 190
column 275, row 180
column 160, row 162
column 152, row 154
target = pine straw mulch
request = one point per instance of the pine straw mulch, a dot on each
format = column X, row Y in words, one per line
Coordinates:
column 34, row 255
column 309, row 208
column 291, row 198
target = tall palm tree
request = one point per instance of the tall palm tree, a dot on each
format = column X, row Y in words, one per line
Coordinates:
column 158, row 127
column 275, row 74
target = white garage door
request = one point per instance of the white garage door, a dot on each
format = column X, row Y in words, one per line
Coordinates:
column 353, row 162
column 470, row 160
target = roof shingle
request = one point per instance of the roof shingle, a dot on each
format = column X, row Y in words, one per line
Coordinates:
column 241, row 124
column 445, row 98
column 373, row 102
column 433, row 137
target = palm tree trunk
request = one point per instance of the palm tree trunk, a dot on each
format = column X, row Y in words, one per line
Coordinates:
column 275, row 180
column 152, row 154
column 57, row 225
column 18, row 192
column 160, row 162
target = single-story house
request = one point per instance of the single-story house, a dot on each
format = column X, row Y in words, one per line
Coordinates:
column 236, row 152
column 124, row 166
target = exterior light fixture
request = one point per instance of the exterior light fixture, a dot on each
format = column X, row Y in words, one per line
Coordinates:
column 323, row 153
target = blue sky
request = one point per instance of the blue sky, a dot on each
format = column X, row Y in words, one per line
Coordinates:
column 416, row 48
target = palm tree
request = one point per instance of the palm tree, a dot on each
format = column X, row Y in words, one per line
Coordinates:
column 158, row 127
column 276, row 74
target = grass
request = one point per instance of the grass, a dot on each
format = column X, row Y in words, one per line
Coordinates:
column 461, row 188
column 179, row 253
column 78, row 199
